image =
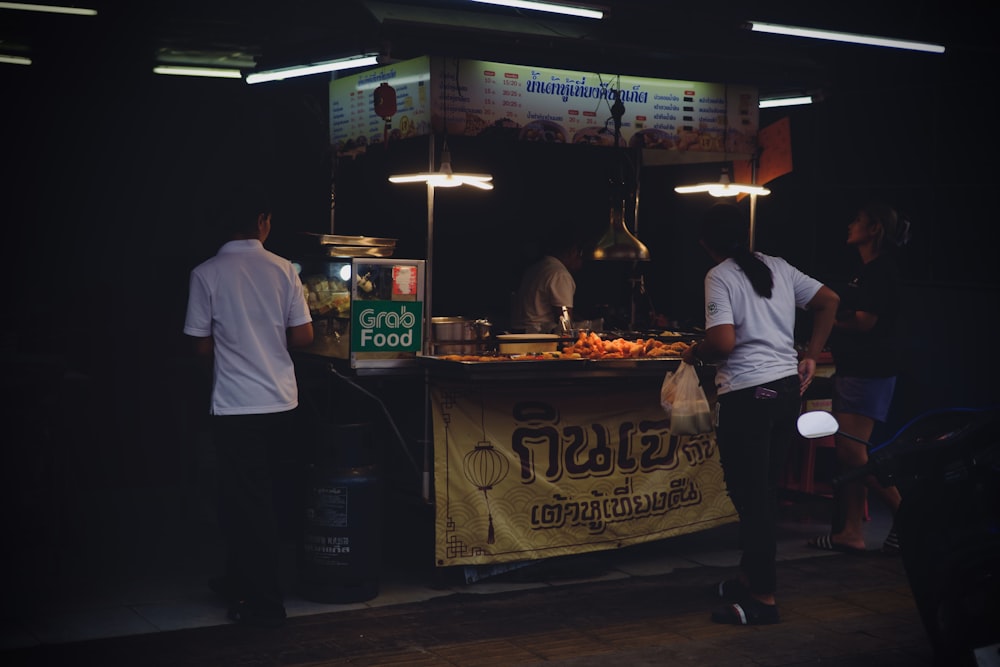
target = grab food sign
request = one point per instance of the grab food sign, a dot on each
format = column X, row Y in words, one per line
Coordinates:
column 387, row 326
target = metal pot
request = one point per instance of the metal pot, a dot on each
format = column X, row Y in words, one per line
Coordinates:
column 460, row 335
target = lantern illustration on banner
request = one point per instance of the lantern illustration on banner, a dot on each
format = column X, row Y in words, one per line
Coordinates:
column 485, row 467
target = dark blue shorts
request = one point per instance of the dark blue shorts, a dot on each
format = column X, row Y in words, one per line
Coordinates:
column 869, row 397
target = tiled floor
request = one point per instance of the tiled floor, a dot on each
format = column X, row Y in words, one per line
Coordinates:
column 75, row 587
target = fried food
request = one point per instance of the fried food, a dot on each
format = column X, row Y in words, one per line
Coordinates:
column 591, row 346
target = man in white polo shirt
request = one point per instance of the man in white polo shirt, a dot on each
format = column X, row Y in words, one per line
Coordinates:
column 245, row 309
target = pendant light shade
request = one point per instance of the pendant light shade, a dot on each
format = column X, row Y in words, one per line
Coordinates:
column 445, row 177
column 618, row 243
column 723, row 188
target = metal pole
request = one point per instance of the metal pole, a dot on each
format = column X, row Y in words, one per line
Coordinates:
column 428, row 332
column 429, row 260
column 753, row 200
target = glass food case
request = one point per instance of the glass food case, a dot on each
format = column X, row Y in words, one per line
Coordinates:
column 368, row 310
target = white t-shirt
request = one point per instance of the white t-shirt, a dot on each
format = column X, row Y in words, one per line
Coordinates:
column 545, row 285
column 245, row 298
column 765, row 342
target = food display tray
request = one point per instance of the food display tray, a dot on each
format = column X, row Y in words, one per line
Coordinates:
column 530, row 367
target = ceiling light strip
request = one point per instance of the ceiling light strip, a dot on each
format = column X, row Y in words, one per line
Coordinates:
column 850, row 37
column 316, row 68
column 14, row 60
column 52, row 9
column 212, row 72
column 772, row 102
column 568, row 10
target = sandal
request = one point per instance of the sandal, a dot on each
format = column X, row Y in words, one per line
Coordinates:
column 826, row 543
column 891, row 544
column 747, row 612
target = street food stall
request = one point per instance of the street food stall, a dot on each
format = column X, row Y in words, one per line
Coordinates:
column 557, row 447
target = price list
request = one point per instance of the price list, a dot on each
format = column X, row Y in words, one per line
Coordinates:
column 563, row 106
column 354, row 123
column 470, row 97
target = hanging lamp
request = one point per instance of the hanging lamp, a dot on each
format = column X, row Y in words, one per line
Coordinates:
column 618, row 243
column 723, row 187
column 445, row 177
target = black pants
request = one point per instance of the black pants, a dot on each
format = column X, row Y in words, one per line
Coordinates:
column 247, row 446
column 753, row 434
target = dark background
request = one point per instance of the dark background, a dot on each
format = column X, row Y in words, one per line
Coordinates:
column 110, row 174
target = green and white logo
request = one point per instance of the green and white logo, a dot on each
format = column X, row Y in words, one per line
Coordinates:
column 387, row 326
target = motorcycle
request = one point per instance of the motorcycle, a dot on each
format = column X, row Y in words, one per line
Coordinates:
column 946, row 465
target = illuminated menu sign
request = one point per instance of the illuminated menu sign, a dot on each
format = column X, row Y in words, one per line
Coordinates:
column 354, row 123
column 561, row 106
column 474, row 97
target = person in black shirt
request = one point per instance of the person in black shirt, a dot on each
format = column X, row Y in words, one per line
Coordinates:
column 864, row 352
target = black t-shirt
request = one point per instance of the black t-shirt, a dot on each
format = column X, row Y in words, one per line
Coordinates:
column 874, row 288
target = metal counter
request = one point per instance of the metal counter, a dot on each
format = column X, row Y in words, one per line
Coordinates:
column 548, row 369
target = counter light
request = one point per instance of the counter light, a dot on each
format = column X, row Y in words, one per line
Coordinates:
column 850, row 37
column 445, row 177
column 723, row 188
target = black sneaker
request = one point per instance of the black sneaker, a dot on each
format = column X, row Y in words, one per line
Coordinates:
column 257, row 615
column 746, row 612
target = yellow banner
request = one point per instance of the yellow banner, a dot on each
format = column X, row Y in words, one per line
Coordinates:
column 524, row 473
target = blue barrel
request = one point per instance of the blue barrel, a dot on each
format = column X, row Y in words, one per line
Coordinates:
column 340, row 553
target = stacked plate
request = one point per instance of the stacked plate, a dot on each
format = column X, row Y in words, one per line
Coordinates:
column 334, row 245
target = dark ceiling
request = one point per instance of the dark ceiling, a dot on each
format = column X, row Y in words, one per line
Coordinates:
column 703, row 41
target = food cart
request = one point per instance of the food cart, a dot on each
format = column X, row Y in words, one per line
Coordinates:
column 529, row 456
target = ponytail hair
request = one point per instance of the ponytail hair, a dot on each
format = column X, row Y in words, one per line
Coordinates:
column 895, row 227
column 724, row 231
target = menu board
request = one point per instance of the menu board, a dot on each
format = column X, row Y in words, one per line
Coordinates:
column 354, row 122
column 474, row 97
column 560, row 106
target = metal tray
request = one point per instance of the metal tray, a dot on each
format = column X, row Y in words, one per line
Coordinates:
column 529, row 368
column 358, row 251
column 338, row 240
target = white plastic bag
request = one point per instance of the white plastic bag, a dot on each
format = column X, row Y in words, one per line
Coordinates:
column 685, row 403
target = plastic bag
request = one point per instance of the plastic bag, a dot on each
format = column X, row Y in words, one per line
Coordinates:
column 685, row 403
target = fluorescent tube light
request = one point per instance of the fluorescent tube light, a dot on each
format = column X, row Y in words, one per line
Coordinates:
column 316, row 68
column 853, row 38
column 14, row 60
column 52, row 9
column 213, row 72
column 770, row 103
column 569, row 10
column 397, row 81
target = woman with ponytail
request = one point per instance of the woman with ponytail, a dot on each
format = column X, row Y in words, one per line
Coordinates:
column 864, row 352
column 751, row 301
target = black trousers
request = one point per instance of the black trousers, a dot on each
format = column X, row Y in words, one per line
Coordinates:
column 247, row 447
column 753, row 433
